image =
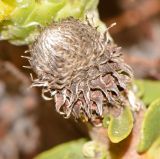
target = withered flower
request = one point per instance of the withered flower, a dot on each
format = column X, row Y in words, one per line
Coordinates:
column 80, row 68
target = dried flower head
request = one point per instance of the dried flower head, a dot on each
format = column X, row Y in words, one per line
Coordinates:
column 80, row 68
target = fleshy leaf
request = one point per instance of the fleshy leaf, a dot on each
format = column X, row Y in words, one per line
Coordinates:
column 26, row 16
column 120, row 127
column 148, row 90
column 154, row 151
column 106, row 121
column 5, row 11
column 150, row 130
column 95, row 150
column 69, row 150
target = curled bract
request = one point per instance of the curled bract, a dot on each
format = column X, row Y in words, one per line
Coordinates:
column 80, row 68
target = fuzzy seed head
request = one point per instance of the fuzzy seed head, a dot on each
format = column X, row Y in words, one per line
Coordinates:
column 80, row 69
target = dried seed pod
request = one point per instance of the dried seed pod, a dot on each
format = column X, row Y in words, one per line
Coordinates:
column 80, row 68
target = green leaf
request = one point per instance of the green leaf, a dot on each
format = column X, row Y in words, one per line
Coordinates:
column 154, row 151
column 150, row 130
column 32, row 10
column 69, row 150
column 106, row 121
column 95, row 150
column 5, row 11
column 120, row 127
column 148, row 90
column 25, row 16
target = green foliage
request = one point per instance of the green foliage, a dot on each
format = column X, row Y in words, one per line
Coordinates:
column 106, row 121
column 119, row 128
column 78, row 149
column 154, row 151
column 5, row 10
column 70, row 150
column 148, row 90
column 95, row 150
column 19, row 20
column 150, row 130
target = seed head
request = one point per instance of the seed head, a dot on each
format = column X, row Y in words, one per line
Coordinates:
column 80, row 68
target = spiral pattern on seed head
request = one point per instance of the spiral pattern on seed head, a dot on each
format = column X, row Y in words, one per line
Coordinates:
column 83, row 71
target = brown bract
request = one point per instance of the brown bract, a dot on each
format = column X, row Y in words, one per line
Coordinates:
column 80, row 68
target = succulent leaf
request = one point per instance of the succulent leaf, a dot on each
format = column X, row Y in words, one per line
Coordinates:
column 153, row 152
column 78, row 149
column 20, row 20
column 120, row 127
column 148, row 90
column 95, row 150
column 5, row 10
column 150, row 130
column 70, row 150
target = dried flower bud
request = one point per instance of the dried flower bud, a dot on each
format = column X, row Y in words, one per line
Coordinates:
column 80, row 68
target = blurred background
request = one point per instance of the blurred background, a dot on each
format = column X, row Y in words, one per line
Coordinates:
column 28, row 124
